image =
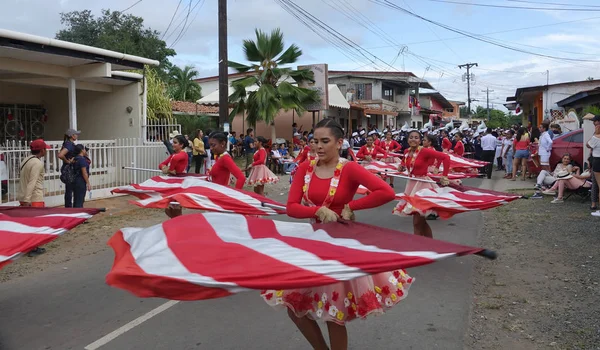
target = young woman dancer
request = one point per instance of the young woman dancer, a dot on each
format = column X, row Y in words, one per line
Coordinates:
column 370, row 151
column 259, row 172
column 224, row 166
column 390, row 145
column 417, row 160
column 323, row 190
column 176, row 164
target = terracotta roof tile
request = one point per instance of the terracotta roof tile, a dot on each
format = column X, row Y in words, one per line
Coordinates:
column 192, row 108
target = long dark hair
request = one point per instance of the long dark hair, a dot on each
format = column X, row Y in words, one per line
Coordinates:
column 433, row 139
column 182, row 141
column 520, row 133
column 535, row 134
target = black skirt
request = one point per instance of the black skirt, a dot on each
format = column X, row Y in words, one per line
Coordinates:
column 596, row 164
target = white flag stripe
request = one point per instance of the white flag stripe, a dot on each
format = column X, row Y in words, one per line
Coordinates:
column 234, row 229
column 4, row 258
column 11, row 226
column 72, row 215
column 306, row 231
column 152, row 254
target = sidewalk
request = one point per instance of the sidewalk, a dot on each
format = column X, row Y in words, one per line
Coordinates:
column 498, row 183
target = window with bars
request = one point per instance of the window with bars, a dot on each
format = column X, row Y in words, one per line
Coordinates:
column 364, row 91
column 388, row 93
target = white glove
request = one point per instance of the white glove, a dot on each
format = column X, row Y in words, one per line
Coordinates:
column 348, row 214
column 444, row 181
column 326, row 215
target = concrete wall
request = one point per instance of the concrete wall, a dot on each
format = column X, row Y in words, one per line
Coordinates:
column 17, row 93
column 100, row 115
column 209, row 87
column 560, row 92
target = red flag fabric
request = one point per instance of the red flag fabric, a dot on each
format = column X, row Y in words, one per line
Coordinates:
column 212, row 255
column 462, row 162
column 378, row 167
column 449, row 201
column 194, row 192
column 24, row 228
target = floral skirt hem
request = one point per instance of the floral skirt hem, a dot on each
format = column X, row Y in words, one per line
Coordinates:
column 261, row 175
column 345, row 301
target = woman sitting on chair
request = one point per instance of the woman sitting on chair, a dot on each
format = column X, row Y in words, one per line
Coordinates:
column 567, row 176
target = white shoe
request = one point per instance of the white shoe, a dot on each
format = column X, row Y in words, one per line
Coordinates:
column 556, row 200
column 596, row 213
column 549, row 192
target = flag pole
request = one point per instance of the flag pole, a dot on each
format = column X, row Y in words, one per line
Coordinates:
column 141, row 169
column 274, row 206
column 408, row 177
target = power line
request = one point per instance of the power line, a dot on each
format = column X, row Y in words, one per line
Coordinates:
column 185, row 23
column 499, row 32
column 516, row 7
column 389, row 4
column 129, row 8
column 550, row 3
column 190, row 22
column 171, row 21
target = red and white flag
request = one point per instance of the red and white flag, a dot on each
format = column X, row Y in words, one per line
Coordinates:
column 194, row 192
column 212, row 255
column 462, row 162
column 448, row 201
column 382, row 168
column 22, row 229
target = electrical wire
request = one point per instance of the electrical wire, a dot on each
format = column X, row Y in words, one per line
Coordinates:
column 388, row 4
column 171, row 21
column 550, row 3
column 189, row 7
column 130, row 7
column 201, row 2
column 517, row 7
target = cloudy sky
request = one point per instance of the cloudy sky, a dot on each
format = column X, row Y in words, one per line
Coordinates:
column 381, row 38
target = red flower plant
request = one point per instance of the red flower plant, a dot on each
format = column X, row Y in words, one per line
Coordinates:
column 327, row 306
column 400, row 292
column 397, row 274
column 409, row 280
column 335, row 296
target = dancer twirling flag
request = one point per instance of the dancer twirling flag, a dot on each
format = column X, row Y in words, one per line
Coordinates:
column 323, row 190
column 417, row 160
column 260, row 173
column 370, row 152
column 175, row 164
column 391, row 146
column 224, row 167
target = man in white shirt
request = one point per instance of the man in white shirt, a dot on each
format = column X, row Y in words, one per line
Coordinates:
column 488, row 145
column 545, row 146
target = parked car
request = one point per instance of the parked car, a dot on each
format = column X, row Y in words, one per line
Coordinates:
column 572, row 143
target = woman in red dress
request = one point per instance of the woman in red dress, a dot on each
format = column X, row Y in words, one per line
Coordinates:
column 304, row 152
column 369, row 152
column 459, row 147
column 176, row 164
column 324, row 190
column 224, row 166
column 417, row 160
column 390, row 145
column 259, row 172
column 446, row 143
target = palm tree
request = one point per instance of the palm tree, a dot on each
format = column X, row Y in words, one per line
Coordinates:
column 275, row 91
column 182, row 86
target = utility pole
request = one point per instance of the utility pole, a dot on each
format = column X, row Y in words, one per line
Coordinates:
column 487, row 91
column 223, row 71
column 468, row 66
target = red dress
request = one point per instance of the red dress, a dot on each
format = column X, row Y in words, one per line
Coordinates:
column 391, row 146
column 459, row 148
column 224, row 167
column 446, row 144
column 418, row 166
column 176, row 162
column 260, row 173
column 303, row 155
column 344, row 301
column 370, row 151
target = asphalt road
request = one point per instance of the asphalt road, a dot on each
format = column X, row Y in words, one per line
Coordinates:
column 70, row 307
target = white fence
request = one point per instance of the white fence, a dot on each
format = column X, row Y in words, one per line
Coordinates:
column 108, row 159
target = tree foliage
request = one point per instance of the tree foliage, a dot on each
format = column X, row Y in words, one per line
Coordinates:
column 191, row 123
column 159, row 104
column 115, row 31
column 275, row 92
column 182, row 86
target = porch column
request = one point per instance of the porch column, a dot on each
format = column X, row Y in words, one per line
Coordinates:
column 72, row 104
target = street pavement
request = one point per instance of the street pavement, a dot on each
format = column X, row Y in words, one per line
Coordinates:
column 70, row 307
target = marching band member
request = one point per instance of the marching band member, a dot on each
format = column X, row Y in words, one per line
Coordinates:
column 324, row 190
column 417, row 160
column 260, row 174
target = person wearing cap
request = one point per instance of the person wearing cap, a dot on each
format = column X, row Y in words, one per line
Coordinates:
column 66, row 154
column 30, row 192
